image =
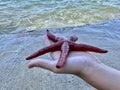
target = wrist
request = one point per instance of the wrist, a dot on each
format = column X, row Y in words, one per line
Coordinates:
column 89, row 68
column 101, row 76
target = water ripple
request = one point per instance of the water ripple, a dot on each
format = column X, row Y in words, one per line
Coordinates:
column 20, row 15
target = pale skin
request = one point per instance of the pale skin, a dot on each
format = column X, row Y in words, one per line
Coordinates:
column 83, row 65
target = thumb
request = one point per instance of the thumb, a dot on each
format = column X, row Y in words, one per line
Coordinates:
column 42, row 63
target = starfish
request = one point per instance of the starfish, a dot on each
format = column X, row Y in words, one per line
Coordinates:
column 65, row 46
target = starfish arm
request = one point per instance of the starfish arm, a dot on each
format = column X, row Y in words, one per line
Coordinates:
column 63, row 55
column 52, row 37
column 85, row 47
column 51, row 48
column 73, row 38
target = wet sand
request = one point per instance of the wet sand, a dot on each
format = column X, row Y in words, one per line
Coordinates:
column 14, row 47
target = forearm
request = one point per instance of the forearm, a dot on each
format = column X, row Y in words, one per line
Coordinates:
column 102, row 77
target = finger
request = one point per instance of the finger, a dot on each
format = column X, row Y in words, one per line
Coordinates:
column 46, row 40
column 42, row 63
column 55, row 55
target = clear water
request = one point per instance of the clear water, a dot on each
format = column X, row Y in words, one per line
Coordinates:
column 18, row 15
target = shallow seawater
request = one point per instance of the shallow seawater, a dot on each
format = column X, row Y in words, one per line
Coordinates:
column 20, row 15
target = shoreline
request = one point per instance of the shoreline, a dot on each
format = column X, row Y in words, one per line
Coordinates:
column 68, row 27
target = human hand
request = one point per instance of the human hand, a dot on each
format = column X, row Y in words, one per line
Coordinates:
column 77, row 62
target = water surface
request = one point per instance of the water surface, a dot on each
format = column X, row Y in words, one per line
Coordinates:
column 19, row 15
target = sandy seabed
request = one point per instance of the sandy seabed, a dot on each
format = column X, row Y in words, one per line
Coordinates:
column 14, row 47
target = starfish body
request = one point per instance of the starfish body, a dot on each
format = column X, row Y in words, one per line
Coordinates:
column 65, row 46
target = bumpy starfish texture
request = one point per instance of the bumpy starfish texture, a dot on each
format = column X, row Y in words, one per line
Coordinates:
column 65, row 46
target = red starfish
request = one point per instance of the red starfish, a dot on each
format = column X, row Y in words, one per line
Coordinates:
column 65, row 46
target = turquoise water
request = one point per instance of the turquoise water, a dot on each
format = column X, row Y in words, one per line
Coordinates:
column 19, row 15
